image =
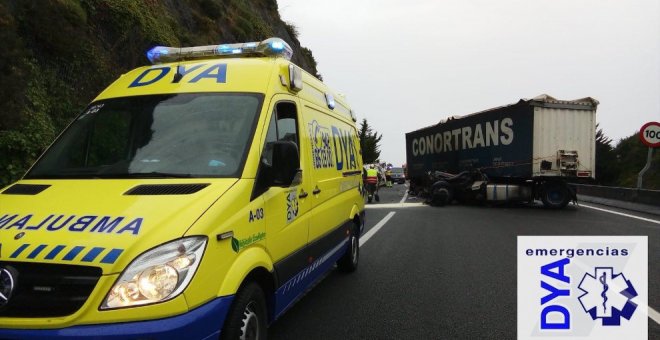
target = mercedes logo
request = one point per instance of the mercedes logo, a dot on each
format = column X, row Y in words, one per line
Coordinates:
column 7, row 285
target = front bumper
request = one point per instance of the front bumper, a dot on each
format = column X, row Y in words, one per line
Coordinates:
column 203, row 322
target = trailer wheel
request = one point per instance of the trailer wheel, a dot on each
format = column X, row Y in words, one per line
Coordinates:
column 555, row 195
column 441, row 194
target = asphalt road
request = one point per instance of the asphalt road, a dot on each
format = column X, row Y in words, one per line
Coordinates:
column 445, row 273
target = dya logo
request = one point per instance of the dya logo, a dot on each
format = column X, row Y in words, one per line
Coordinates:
column 322, row 156
column 607, row 296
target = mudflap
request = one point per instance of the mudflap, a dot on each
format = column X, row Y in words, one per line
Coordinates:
column 573, row 192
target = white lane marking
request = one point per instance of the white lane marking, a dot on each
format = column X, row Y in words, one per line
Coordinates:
column 619, row 213
column 405, row 196
column 654, row 315
column 394, row 205
column 375, row 229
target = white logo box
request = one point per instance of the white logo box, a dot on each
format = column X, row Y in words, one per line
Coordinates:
column 608, row 283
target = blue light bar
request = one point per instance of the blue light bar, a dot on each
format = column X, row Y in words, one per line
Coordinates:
column 272, row 47
column 156, row 53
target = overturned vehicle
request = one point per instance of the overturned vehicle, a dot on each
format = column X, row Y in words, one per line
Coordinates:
column 521, row 152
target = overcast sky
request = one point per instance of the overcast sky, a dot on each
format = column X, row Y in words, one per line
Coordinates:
column 404, row 65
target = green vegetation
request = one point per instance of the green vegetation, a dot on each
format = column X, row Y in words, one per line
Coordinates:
column 619, row 165
column 369, row 142
column 309, row 58
column 58, row 55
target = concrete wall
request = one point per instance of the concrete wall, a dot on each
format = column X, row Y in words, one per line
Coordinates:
column 651, row 197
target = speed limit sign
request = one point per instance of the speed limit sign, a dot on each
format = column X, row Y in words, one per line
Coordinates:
column 650, row 134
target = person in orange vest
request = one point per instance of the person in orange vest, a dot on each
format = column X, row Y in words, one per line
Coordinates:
column 372, row 183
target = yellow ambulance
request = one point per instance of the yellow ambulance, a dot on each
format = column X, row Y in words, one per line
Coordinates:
column 196, row 198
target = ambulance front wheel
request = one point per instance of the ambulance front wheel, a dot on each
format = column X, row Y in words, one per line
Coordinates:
column 349, row 261
column 247, row 315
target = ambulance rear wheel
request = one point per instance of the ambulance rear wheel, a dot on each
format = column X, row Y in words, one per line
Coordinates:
column 247, row 315
column 348, row 263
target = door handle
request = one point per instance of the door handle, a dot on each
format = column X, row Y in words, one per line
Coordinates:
column 316, row 191
column 303, row 193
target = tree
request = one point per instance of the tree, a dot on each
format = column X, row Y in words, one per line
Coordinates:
column 632, row 154
column 369, row 142
column 607, row 167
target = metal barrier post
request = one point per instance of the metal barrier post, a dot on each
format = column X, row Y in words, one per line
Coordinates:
column 646, row 167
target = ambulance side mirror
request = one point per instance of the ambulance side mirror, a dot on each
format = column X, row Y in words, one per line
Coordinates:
column 285, row 166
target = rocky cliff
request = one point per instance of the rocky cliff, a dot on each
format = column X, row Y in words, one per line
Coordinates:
column 56, row 55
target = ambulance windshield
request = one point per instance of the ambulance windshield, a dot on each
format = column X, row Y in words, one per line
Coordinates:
column 155, row 136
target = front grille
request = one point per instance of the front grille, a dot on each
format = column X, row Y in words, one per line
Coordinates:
column 25, row 189
column 48, row 290
column 166, row 189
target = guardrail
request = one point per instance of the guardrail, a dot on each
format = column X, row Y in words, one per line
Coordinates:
column 651, row 197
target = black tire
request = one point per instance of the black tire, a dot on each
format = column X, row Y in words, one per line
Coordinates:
column 247, row 315
column 348, row 263
column 555, row 195
column 369, row 199
column 441, row 194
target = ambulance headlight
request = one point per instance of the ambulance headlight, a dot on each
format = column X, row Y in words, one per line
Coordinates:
column 158, row 275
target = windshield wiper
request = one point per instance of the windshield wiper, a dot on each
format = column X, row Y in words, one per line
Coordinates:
column 157, row 174
column 153, row 174
column 123, row 175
